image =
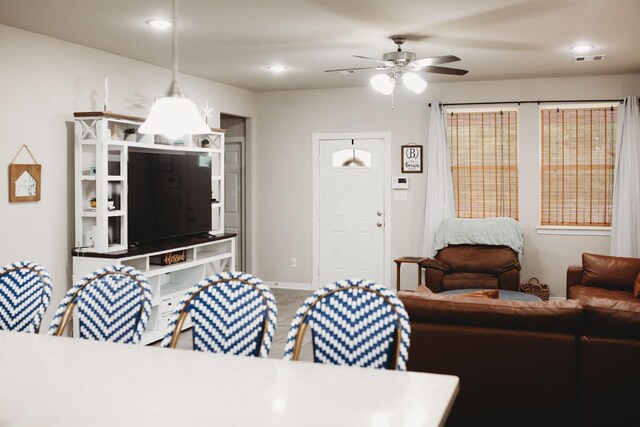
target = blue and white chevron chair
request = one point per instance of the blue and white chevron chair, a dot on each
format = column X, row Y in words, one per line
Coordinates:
column 354, row 323
column 113, row 304
column 25, row 292
column 232, row 313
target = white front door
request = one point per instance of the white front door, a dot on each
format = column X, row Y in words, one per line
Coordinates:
column 233, row 194
column 351, row 210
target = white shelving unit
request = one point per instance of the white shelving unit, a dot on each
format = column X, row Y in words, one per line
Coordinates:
column 168, row 283
column 102, row 144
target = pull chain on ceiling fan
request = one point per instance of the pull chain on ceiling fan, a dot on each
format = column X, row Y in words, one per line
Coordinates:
column 401, row 64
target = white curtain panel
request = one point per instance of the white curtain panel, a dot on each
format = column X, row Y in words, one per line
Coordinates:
column 625, row 224
column 439, row 203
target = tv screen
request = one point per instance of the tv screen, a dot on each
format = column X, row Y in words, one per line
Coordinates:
column 169, row 195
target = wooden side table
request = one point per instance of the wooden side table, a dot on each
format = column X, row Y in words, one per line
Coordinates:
column 408, row 259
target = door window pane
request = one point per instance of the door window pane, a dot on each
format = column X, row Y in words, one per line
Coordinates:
column 351, row 158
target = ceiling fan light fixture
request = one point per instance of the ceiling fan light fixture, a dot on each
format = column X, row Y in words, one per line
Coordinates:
column 383, row 83
column 414, row 82
column 174, row 115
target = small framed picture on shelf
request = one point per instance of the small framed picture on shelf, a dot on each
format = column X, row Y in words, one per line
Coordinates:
column 160, row 139
column 411, row 158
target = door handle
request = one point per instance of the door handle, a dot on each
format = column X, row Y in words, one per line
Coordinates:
column 379, row 213
column 379, row 224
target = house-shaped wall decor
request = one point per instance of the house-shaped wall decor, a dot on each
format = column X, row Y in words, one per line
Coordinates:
column 24, row 183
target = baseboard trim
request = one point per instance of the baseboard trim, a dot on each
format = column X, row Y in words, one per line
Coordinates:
column 290, row 285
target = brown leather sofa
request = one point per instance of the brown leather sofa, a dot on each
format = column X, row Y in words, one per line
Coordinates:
column 517, row 361
column 472, row 267
column 560, row 362
column 610, row 345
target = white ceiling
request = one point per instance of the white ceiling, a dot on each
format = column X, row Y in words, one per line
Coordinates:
column 233, row 42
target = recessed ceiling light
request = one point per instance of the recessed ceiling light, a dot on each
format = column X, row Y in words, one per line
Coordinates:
column 159, row 24
column 581, row 48
column 277, row 68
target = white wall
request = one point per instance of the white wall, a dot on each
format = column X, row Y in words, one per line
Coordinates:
column 43, row 81
column 284, row 179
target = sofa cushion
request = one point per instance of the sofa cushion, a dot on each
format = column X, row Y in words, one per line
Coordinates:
column 584, row 292
column 479, row 258
column 469, row 281
column 609, row 272
column 611, row 318
column 636, row 287
column 552, row 316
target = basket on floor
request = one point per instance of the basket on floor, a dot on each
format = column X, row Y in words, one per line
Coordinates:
column 534, row 287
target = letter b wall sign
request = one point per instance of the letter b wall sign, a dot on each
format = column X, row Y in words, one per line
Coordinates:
column 412, row 158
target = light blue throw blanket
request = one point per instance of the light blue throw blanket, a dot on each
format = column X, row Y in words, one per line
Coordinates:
column 482, row 231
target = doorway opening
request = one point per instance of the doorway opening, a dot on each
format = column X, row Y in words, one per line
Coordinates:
column 235, row 182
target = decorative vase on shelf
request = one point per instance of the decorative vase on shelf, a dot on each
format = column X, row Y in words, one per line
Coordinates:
column 130, row 135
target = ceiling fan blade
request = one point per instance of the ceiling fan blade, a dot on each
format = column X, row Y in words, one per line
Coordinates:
column 373, row 59
column 355, row 69
column 445, row 70
column 435, row 60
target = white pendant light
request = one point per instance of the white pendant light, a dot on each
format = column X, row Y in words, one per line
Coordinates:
column 383, row 83
column 174, row 115
column 414, row 82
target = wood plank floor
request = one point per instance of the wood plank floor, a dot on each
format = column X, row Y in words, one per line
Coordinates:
column 288, row 302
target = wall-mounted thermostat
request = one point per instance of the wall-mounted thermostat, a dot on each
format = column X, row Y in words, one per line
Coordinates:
column 400, row 183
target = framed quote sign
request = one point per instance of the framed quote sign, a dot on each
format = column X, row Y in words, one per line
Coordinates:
column 411, row 158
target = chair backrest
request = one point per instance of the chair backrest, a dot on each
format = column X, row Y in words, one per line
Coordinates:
column 478, row 258
column 113, row 303
column 355, row 323
column 25, row 292
column 232, row 313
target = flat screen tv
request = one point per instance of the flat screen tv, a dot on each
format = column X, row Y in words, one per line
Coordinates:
column 169, row 195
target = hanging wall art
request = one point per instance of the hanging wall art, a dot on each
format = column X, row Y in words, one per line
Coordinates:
column 412, row 158
column 24, row 179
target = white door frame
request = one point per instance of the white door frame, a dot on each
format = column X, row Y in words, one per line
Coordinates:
column 243, row 221
column 316, row 138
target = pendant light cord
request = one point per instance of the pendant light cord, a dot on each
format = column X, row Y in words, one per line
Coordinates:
column 175, row 41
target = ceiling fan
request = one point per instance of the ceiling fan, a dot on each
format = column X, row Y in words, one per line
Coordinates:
column 400, row 64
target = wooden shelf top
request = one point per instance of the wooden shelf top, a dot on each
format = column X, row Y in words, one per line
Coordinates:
column 110, row 115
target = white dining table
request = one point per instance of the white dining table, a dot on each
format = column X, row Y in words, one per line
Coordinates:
column 59, row 381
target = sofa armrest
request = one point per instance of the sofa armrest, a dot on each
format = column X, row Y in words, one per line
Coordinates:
column 434, row 263
column 574, row 276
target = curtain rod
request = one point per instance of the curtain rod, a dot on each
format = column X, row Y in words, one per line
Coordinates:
column 444, row 104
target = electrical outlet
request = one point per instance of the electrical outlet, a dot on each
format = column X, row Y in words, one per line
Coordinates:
column 292, row 262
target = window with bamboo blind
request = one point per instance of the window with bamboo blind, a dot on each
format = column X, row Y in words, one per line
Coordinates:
column 484, row 163
column 577, row 160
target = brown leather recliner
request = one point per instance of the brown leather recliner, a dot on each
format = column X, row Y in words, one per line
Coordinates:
column 472, row 267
